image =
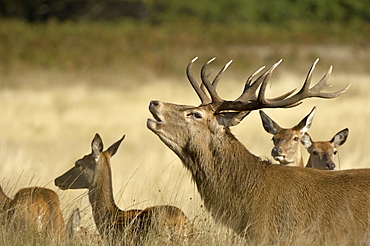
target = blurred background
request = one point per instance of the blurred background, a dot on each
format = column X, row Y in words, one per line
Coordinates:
column 71, row 68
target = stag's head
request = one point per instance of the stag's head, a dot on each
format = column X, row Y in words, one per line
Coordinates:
column 83, row 174
column 182, row 126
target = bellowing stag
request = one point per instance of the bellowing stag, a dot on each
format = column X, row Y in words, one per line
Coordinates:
column 265, row 203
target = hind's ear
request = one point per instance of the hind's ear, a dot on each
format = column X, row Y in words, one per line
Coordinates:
column 97, row 145
column 269, row 125
column 114, row 147
column 340, row 138
column 306, row 140
column 306, row 122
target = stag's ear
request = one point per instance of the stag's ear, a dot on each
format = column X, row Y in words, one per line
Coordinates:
column 269, row 125
column 228, row 119
column 340, row 138
column 114, row 147
column 306, row 140
column 97, row 145
column 306, row 122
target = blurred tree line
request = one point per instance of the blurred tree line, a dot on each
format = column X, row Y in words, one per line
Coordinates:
column 157, row 11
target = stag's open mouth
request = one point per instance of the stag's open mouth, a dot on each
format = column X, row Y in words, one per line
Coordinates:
column 156, row 119
column 151, row 123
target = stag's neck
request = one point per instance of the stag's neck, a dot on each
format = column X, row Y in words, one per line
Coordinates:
column 4, row 201
column 104, row 209
column 227, row 176
column 224, row 162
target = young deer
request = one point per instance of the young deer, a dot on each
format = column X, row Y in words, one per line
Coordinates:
column 93, row 172
column 268, row 204
column 286, row 148
column 322, row 153
column 33, row 210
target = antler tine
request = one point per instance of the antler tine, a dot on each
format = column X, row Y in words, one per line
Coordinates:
column 250, row 78
column 202, row 86
column 211, row 87
column 281, row 97
column 200, row 92
column 307, row 82
column 250, row 87
column 219, row 75
column 321, row 85
column 261, row 95
column 306, row 92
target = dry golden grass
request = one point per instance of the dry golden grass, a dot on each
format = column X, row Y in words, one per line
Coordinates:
column 46, row 128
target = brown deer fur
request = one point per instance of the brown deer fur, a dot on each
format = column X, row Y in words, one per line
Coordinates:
column 93, row 172
column 34, row 209
column 264, row 202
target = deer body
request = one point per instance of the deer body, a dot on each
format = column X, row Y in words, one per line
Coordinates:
column 94, row 173
column 34, row 209
column 263, row 202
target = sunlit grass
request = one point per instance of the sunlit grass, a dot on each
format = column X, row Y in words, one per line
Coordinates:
column 60, row 83
column 45, row 130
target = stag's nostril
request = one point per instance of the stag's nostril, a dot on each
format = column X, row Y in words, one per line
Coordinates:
column 154, row 103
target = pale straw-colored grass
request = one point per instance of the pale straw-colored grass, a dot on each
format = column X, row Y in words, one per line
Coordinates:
column 45, row 129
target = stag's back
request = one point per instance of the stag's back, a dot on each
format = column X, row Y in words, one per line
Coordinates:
column 330, row 205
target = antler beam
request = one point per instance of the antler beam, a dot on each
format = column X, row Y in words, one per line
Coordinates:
column 251, row 99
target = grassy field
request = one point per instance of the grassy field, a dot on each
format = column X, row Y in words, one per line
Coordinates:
column 51, row 113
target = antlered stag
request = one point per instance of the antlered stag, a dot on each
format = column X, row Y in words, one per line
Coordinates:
column 264, row 202
column 287, row 141
column 322, row 153
column 93, row 172
column 34, row 210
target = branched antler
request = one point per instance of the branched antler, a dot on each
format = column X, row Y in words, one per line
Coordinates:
column 251, row 98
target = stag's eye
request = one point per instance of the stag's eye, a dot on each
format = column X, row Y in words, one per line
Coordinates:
column 195, row 115
column 315, row 152
column 335, row 152
column 296, row 139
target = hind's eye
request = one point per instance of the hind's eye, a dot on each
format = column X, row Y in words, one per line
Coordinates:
column 335, row 152
column 315, row 153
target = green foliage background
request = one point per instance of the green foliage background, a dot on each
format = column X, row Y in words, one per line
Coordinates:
column 148, row 37
column 269, row 11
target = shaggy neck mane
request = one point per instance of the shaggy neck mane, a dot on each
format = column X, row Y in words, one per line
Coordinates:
column 222, row 169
